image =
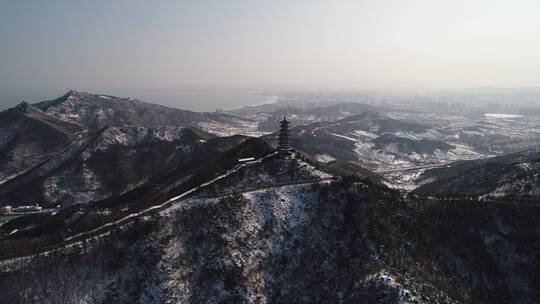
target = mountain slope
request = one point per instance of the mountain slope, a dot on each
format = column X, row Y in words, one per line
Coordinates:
column 318, row 243
column 97, row 111
column 347, row 139
column 515, row 174
column 396, row 144
column 113, row 161
column 378, row 123
column 29, row 137
column 300, row 113
column 378, row 142
column 62, row 151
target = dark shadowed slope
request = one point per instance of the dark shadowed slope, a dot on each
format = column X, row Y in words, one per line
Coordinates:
column 509, row 175
column 84, row 147
column 29, row 137
column 110, row 163
column 338, row 243
column 392, row 143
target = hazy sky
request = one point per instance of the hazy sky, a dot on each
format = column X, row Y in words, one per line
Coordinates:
column 365, row 44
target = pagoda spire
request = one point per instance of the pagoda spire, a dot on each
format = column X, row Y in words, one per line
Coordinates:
column 284, row 143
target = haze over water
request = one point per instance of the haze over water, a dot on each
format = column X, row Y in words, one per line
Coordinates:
column 351, row 44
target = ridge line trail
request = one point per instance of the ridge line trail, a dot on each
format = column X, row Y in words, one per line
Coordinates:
column 411, row 168
column 105, row 229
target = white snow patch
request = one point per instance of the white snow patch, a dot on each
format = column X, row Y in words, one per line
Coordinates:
column 324, row 158
column 344, row 137
column 502, row 115
column 382, row 278
column 365, row 134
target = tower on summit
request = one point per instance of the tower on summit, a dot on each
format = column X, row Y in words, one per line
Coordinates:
column 284, row 143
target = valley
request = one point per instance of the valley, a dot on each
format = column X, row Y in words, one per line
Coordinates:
column 398, row 143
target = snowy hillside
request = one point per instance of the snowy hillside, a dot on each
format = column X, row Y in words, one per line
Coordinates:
column 311, row 243
column 29, row 137
column 513, row 175
column 97, row 111
column 110, row 163
column 84, row 147
column 155, row 210
column 383, row 143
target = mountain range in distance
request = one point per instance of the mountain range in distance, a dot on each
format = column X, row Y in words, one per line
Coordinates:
column 379, row 204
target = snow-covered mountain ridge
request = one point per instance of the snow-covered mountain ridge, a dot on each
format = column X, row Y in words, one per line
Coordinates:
column 97, row 111
column 136, row 226
column 513, row 175
column 62, row 151
column 111, row 162
column 314, row 243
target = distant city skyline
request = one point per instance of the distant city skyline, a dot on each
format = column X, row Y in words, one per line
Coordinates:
column 102, row 46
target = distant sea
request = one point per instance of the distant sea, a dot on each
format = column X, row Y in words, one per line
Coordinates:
column 187, row 99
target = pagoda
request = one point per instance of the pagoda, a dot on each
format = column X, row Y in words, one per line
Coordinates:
column 284, row 143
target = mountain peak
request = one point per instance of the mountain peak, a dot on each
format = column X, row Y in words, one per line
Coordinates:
column 22, row 107
column 369, row 115
column 23, row 104
column 73, row 93
column 95, row 111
